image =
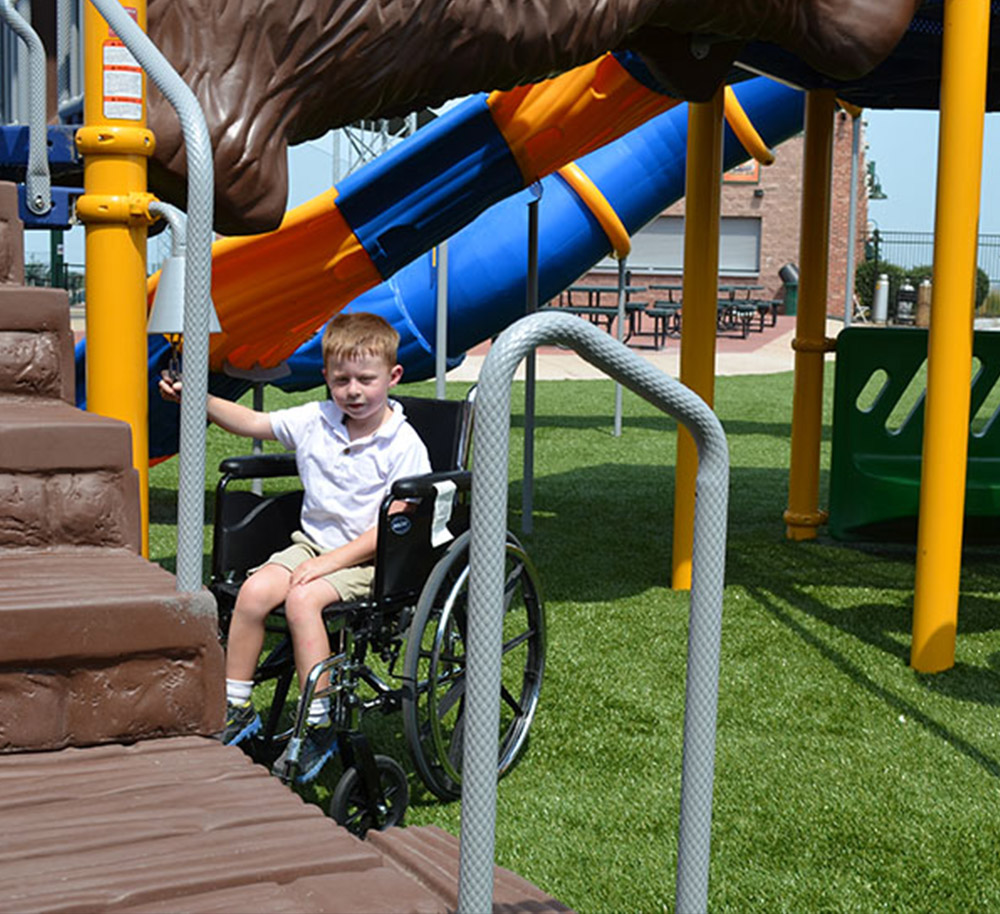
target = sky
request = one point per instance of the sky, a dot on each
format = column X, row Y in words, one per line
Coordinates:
column 903, row 145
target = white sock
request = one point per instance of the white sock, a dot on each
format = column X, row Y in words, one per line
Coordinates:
column 238, row 691
column 319, row 712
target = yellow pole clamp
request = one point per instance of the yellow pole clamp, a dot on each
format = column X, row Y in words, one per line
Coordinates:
column 799, row 519
column 127, row 209
column 826, row 344
column 598, row 204
column 111, row 139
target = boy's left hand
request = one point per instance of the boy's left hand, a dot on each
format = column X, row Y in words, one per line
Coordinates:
column 310, row 570
column 170, row 387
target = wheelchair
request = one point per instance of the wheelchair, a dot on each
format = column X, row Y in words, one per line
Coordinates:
column 402, row 649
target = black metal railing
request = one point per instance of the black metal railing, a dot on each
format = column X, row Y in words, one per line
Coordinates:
column 916, row 249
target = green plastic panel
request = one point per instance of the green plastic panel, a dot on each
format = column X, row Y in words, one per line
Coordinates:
column 878, row 427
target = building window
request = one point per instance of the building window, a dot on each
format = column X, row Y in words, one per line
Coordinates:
column 659, row 246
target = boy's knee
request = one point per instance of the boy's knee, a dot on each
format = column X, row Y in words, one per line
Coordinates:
column 304, row 603
column 259, row 594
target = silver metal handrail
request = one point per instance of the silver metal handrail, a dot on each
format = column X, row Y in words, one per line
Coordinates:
column 38, row 185
column 486, row 587
column 197, row 288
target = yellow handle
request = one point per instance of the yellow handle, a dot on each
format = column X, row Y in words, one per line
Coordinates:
column 597, row 203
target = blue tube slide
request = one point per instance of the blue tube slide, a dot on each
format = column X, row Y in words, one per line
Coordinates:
column 639, row 174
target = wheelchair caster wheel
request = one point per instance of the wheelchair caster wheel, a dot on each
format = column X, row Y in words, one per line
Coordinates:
column 349, row 807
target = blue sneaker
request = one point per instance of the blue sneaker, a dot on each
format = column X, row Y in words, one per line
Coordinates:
column 319, row 744
column 242, row 722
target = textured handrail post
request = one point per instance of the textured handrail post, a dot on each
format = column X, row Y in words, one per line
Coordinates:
column 38, row 190
column 197, row 288
column 619, row 329
column 486, row 583
column 530, row 370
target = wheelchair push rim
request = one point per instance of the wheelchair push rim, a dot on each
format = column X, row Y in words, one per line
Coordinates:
column 434, row 668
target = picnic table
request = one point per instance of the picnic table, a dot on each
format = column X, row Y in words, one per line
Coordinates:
column 665, row 312
column 600, row 314
column 744, row 310
column 736, row 308
column 736, row 304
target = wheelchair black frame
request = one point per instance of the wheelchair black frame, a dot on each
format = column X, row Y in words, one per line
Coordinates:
column 379, row 623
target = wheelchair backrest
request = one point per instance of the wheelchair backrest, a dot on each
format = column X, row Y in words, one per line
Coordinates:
column 444, row 426
column 405, row 554
column 249, row 528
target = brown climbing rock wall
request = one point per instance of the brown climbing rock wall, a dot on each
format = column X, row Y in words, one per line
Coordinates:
column 97, row 644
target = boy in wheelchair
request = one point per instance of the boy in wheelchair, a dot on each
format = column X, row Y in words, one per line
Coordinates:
column 348, row 452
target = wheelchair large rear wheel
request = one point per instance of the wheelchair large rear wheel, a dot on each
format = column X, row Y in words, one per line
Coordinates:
column 434, row 667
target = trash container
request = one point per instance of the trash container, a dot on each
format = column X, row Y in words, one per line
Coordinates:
column 906, row 303
column 789, row 275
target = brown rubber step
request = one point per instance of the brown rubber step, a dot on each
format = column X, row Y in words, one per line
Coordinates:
column 36, row 343
column 65, row 478
column 11, row 236
column 430, row 855
column 182, row 824
column 99, row 646
column 52, row 435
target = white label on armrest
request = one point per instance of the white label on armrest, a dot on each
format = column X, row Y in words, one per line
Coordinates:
column 444, row 500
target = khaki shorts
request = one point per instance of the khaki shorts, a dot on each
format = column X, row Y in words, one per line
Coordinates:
column 351, row 583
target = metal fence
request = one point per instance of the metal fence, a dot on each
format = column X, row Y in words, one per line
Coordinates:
column 916, row 249
column 68, row 276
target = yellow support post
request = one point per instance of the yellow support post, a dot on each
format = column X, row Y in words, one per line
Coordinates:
column 803, row 515
column 949, row 355
column 702, row 198
column 115, row 145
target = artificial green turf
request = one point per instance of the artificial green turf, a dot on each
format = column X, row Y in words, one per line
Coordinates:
column 845, row 781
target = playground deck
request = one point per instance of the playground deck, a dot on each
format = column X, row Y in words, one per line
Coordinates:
column 186, row 824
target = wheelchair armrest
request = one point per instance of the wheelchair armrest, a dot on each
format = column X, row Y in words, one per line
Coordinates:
column 257, row 466
column 423, row 486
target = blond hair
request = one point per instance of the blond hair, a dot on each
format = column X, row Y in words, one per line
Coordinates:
column 359, row 334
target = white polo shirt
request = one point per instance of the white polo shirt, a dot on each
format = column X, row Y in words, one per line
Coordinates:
column 345, row 481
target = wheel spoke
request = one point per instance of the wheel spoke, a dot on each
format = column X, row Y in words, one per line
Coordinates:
column 511, row 701
column 510, row 587
column 447, row 701
column 457, row 742
column 517, row 639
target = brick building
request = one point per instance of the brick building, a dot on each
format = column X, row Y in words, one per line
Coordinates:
column 761, row 212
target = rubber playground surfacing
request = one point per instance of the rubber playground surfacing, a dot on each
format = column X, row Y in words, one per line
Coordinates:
column 845, row 781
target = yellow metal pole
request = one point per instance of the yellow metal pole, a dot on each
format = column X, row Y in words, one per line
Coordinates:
column 702, row 196
column 949, row 355
column 115, row 145
column 803, row 515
